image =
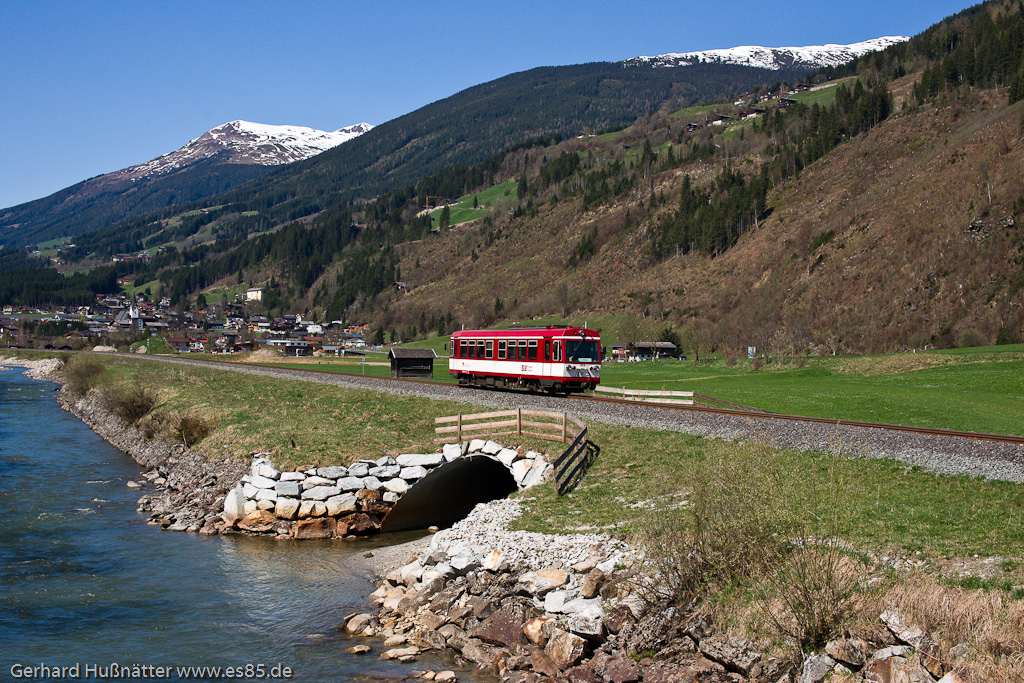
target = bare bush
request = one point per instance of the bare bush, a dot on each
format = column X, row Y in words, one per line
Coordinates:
column 191, row 427
column 130, row 403
column 82, row 372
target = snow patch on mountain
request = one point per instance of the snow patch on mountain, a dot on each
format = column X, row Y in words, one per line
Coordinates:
column 808, row 57
column 244, row 142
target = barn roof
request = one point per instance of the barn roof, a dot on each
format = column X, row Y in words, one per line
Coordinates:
column 412, row 353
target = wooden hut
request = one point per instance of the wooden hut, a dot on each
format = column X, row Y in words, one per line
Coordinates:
column 412, row 362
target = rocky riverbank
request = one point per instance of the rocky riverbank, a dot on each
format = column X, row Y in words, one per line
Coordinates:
column 530, row 607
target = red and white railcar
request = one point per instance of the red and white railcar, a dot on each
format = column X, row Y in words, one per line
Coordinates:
column 553, row 358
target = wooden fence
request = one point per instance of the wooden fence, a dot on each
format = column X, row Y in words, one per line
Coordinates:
column 570, row 466
column 683, row 398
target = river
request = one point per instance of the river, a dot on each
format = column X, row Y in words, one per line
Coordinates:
column 86, row 581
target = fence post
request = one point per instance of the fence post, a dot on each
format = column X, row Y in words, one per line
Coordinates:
column 519, row 421
column 458, row 427
column 563, row 428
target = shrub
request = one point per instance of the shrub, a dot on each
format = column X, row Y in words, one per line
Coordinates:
column 82, row 372
column 969, row 338
column 756, row 364
column 130, row 403
column 192, row 428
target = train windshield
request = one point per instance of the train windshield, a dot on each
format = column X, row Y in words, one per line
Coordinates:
column 582, row 351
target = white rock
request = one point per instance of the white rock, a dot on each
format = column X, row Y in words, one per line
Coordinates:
column 266, row 494
column 343, row 503
column 476, row 445
column 316, row 480
column 537, row 474
column 292, row 476
column 257, row 463
column 250, row 507
column 464, row 562
column 333, row 472
column 507, row 456
column 360, row 469
column 372, row 484
column 249, row 491
column 350, row 483
column 266, row 504
column 451, row 451
column 286, row 508
column 288, row 488
column 491, row 448
column 396, row 487
column 390, row 496
column 554, row 601
column 234, row 505
column 520, row 468
column 413, row 473
column 312, row 508
column 267, row 470
column 383, row 472
column 421, row 459
column 261, row 482
column 320, row 492
column 411, row 573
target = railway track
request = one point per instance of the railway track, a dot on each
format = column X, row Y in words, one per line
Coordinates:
column 632, row 403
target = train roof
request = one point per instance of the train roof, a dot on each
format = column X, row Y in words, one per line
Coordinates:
column 539, row 331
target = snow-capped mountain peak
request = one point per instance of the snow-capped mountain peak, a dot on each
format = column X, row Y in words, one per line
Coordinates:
column 244, row 142
column 808, row 57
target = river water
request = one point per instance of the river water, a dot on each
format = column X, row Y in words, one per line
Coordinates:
column 85, row 581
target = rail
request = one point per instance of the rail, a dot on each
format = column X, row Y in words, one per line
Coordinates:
column 570, row 467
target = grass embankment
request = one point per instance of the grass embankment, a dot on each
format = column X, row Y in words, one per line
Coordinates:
column 735, row 507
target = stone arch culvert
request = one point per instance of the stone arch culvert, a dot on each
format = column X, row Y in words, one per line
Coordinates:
column 388, row 494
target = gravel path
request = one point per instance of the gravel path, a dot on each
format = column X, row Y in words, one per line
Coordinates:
column 943, row 454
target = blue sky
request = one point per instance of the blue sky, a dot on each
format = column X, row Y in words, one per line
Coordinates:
column 91, row 87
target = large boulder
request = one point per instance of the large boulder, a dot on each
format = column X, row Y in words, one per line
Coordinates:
column 286, row 508
column 322, row 527
column 340, row 504
column 565, row 649
column 234, row 505
column 503, row 627
column 320, row 492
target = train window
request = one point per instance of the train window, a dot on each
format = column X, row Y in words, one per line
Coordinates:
column 501, row 350
column 480, row 348
column 490, row 349
column 462, row 348
column 556, row 354
column 471, row 349
column 522, row 349
column 532, row 354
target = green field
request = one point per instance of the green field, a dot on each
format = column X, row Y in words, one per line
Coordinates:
column 487, row 200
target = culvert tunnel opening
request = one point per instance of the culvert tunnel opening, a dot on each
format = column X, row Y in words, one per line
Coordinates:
column 449, row 492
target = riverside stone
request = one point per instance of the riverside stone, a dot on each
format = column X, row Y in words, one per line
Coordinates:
column 384, row 461
column 317, row 480
column 385, row 471
column 320, row 492
column 503, row 627
column 520, row 469
column 312, row 508
column 350, row 483
column 360, row 469
column 261, row 482
column 491, row 448
column 543, row 580
column 249, row 491
column 265, row 494
column 536, row 475
column 286, row 508
column 565, row 649
column 413, row 473
column 476, row 445
column 234, row 505
column 451, row 451
column 396, row 487
column 507, row 456
column 372, row 484
column 268, row 471
column 322, row 527
column 421, row 459
column 333, row 472
column 288, row 488
column 292, row 476
column 340, row 504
